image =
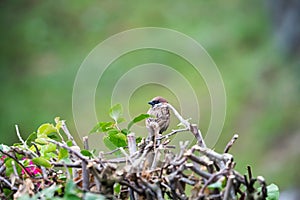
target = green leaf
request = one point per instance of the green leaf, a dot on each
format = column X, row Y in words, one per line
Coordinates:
column 55, row 136
column 216, row 185
column 31, row 138
column 117, row 188
column 46, row 129
column 42, row 162
column 113, row 132
column 86, row 153
column 41, row 140
column 138, row 139
column 108, row 143
column 119, row 140
column 63, row 153
column 273, row 192
column 120, row 120
column 115, row 112
column 137, row 119
column 50, row 148
column 69, row 143
column 125, row 131
column 9, row 166
column 102, row 127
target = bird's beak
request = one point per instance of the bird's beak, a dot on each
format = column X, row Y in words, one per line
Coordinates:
column 151, row 103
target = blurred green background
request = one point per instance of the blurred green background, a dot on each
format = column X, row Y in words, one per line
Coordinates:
column 44, row 42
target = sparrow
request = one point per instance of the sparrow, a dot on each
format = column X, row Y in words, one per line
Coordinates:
column 160, row 116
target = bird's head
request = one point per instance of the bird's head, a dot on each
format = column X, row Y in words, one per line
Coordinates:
column 156, row 101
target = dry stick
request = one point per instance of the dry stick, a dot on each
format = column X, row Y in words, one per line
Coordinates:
column 231, row 142
column 20, row 138
column 69, row 165
column 172, row 133
column 136, row 189
column 196, row 132
column 67, row 132
column 85, row 175
column 131, row 143
column 95, row 173
column 223, row 172
column 201, row 173
column 126, row 155
column 86, row 142
column 67, row 170
column 228, row 189
column 179, row 117
column 192, row 127
column 8, row 183
column 76, row 153
column 85, row 171
column 220, row 159
column 263, row 184
column 15, row 169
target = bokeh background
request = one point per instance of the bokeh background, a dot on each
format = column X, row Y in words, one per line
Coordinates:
column 255, row 45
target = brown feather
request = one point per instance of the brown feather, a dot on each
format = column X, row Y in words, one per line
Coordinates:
column 161, row 115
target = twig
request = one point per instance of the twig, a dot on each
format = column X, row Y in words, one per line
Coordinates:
column 85, row 142
column 179, row 117
column 131, row 143
column 196, row 132
column 228, row 190
column 212, row 179
column 172, row 133
column 231, row 142
column 8, row 183
column 20, row 138
column 67, row 132
column 85, row 176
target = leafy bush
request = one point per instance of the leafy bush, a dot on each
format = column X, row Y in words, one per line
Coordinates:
column 48, row 166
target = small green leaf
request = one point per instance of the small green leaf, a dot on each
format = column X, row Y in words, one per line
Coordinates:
column 138, row 139
column 86, row 153
column 102, row 127
column 9, row 168
column 113, row 132
column 119, row 140
column 55, row 136
column 42, row 162
column 42, row 140
column 108, row 143
column 216, row 185
column 273, row 192
column 115, row 112
column 69, row 143
column 50, row 148
column 125, row 131
column 117, row 188
column 137, row 119
column 31, row 138
column 46, row 129
column 63, row 153
column 120, row 120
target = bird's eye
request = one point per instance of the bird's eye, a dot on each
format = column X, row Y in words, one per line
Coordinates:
column 156, row 102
